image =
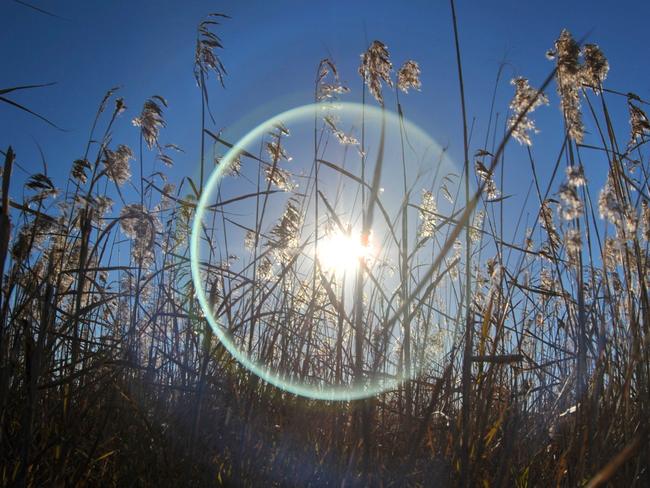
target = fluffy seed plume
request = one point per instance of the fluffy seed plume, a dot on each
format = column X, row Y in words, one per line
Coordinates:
column 140, row 226
column 31, row 236
column 249, row 240
column 286, row 232
column 375, row 68
column 576, row 176
column 609, row 206
column 408, row 76
column 117, row 164
column 279, row 177
column 595, row 68
column 342, row 137
column 611, row 254
column 102, row 205
column 573, row 243
column 485, row 175
column 568, row 78
column 328, row 84
column 546, row 221
column 427, row 213
column 276, row 151
column 234, row 169
column 151, row 120
column 645, row 220
column 572, row 207
column 264, row 269
column 526, row 100
column 79, row 168
column 477, row 227
column 639, row 123
column 206, row 58
column 43, row 187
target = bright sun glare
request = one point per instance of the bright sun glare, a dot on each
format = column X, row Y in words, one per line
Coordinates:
column 340, row 252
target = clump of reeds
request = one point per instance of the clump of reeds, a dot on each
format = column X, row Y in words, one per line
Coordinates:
column 109, row 374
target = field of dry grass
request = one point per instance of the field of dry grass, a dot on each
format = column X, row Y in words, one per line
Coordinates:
column 495, row 361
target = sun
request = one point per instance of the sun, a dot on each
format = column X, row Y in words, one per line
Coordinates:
column 341, row 252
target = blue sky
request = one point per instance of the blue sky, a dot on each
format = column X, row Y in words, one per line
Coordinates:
column 271, row 53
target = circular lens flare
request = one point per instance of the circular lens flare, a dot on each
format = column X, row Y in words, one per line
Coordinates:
column 339, row 252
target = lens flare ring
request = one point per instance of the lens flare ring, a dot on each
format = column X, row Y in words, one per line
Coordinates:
column 329, row 393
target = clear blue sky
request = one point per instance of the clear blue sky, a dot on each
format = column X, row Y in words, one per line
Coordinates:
column 272, row 50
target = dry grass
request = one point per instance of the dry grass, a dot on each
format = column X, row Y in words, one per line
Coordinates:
column 109, row 374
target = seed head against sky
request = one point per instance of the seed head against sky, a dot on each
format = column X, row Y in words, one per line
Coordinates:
column 271, row 53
